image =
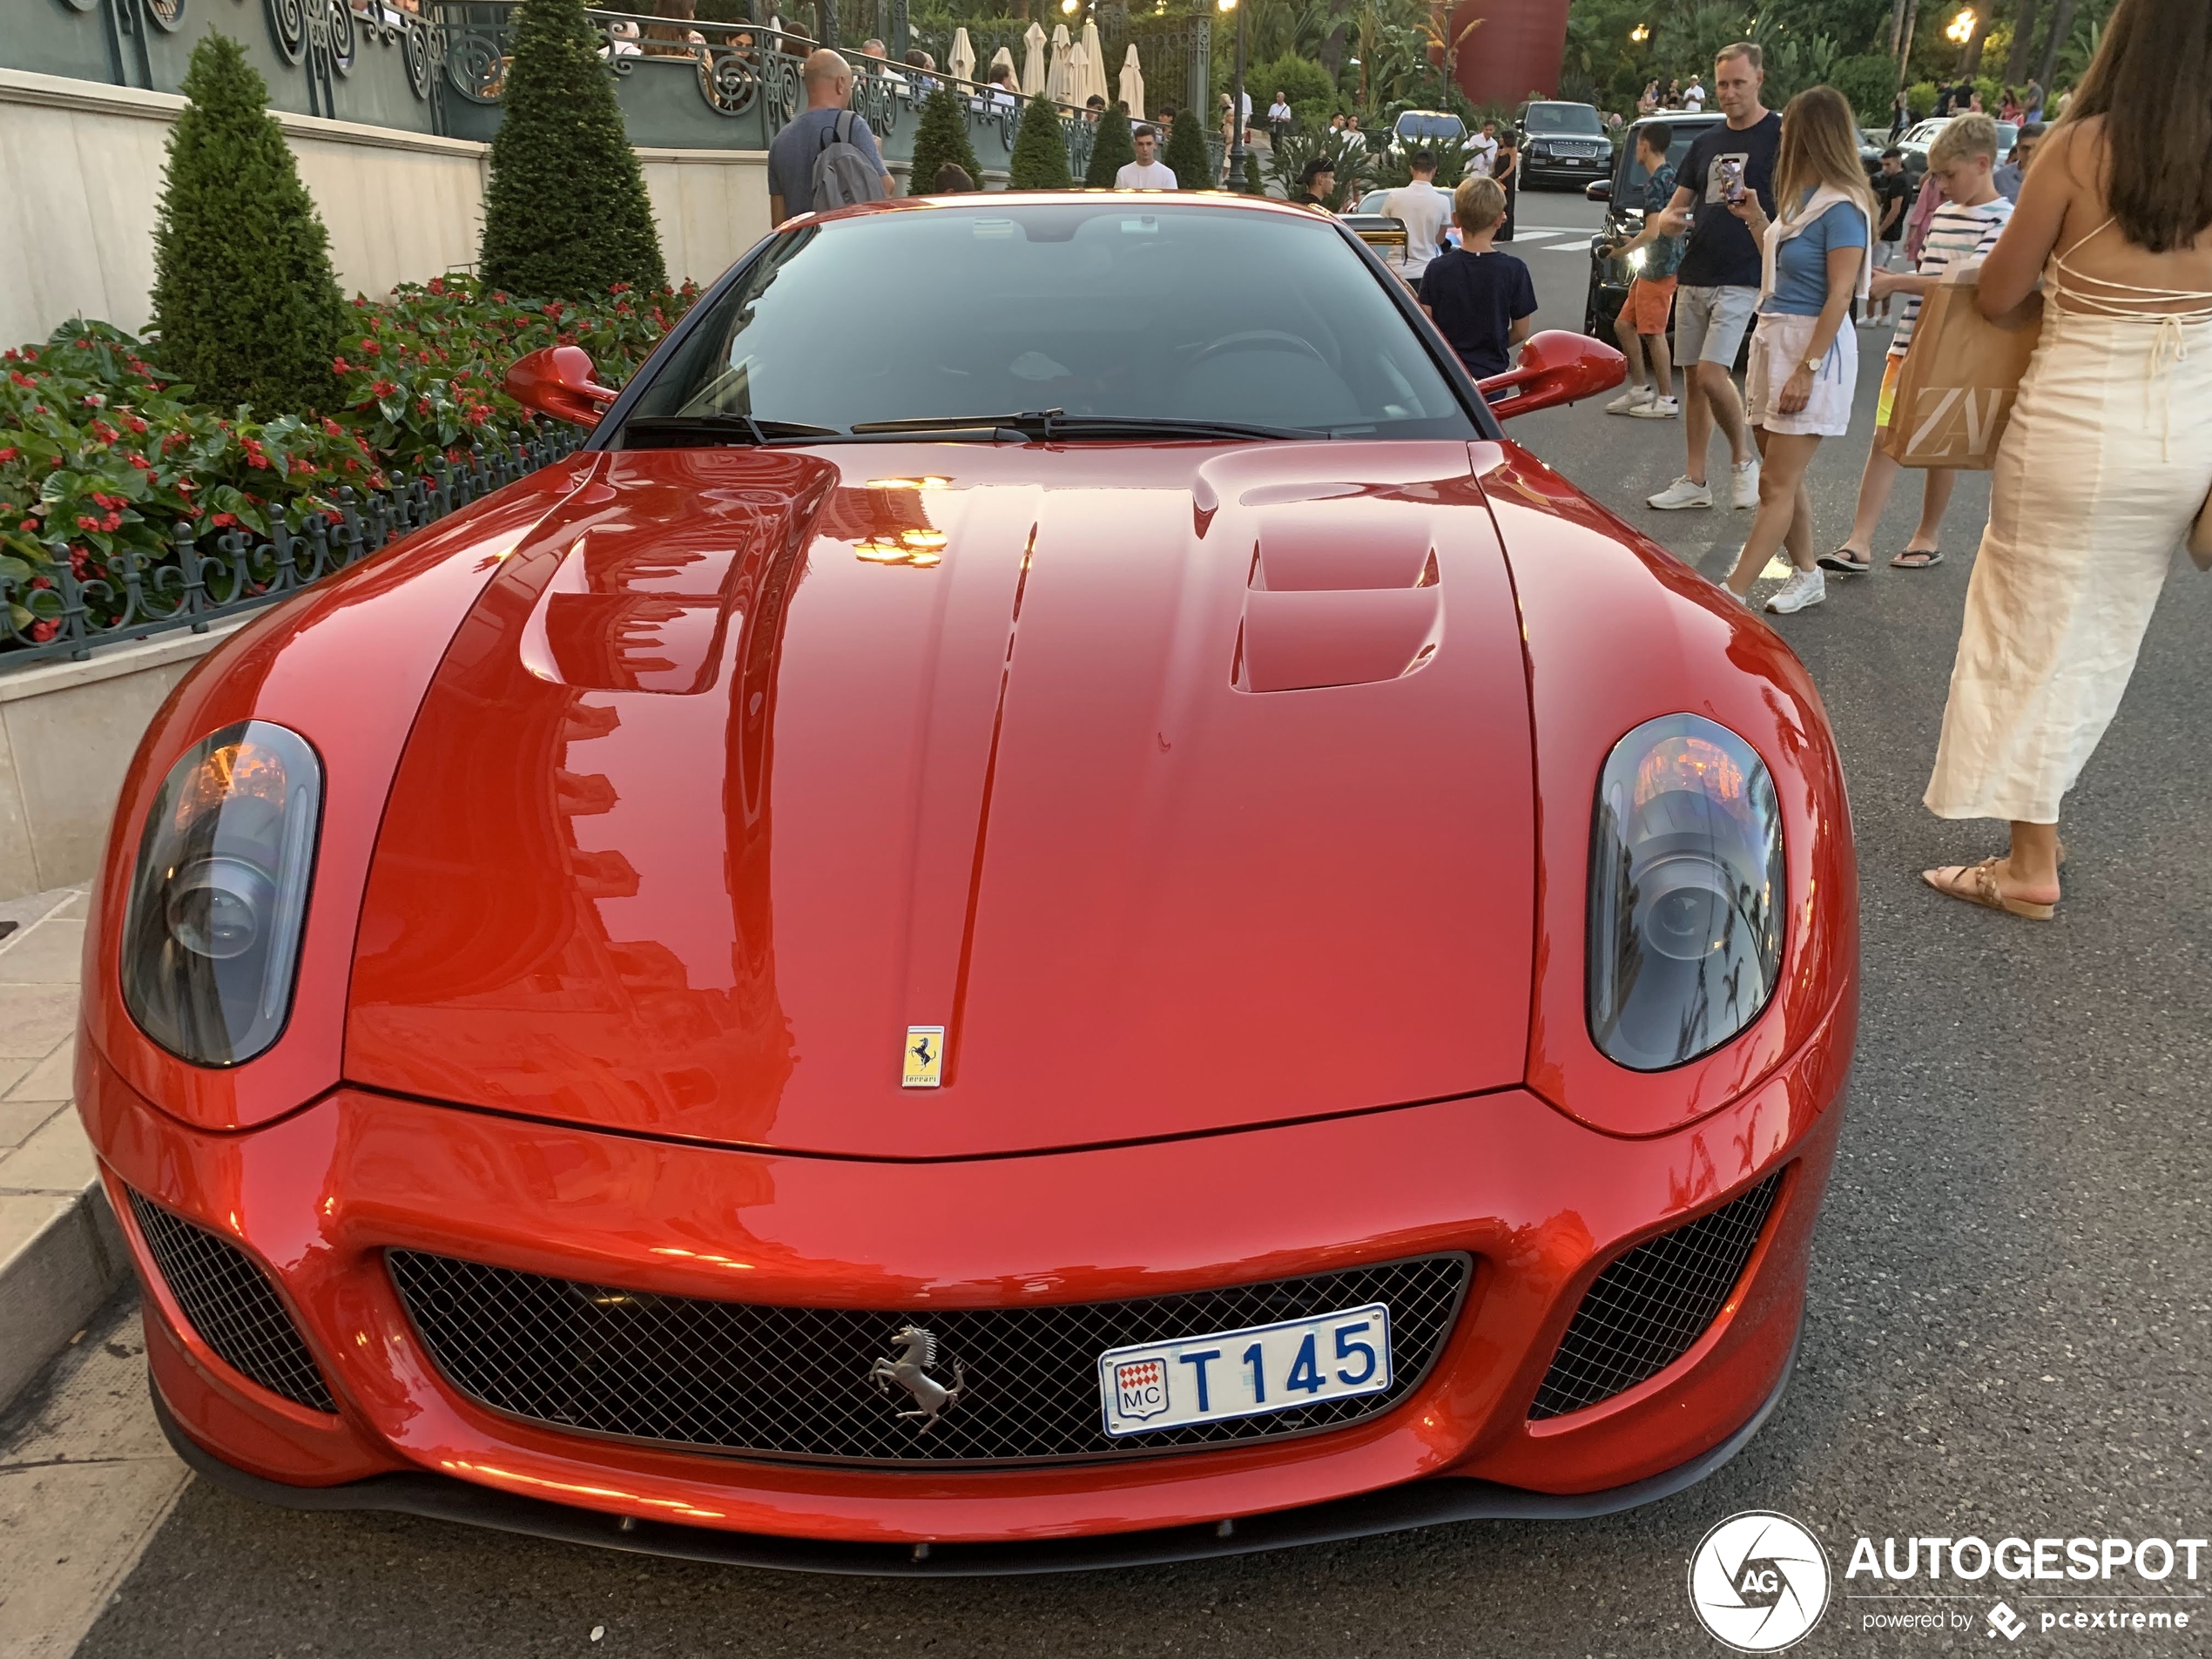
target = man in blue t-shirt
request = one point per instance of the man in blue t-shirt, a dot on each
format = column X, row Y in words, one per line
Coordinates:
column 1481, row 301
column 828, row 80
column 1717, row 286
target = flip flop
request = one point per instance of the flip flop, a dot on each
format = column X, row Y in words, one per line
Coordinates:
column 1977, row 884
column 1917, row 559
column 1842, row 559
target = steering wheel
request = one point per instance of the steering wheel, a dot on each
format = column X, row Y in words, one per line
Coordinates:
column 1252, row 338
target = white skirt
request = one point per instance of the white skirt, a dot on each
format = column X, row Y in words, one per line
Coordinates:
column 1780, row 344
column 2104, row 465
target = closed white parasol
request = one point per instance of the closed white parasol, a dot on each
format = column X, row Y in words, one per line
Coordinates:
column 1032, row 61
column 961, row 62
column 1132, row 87
column 1094, row 66
column 1058, row 82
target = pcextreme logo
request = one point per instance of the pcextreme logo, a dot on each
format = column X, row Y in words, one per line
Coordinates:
column 1759, row 1581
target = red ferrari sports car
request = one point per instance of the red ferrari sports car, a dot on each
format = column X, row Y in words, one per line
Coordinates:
column 1048, row 909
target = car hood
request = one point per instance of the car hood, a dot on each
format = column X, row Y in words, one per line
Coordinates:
column 1187, row 787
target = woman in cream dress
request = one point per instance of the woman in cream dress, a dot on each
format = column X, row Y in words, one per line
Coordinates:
column 2107, row 459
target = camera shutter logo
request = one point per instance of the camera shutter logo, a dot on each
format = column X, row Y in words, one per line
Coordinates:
column 1759, row 1581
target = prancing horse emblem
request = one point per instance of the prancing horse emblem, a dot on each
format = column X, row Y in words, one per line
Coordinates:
column 918, row 1350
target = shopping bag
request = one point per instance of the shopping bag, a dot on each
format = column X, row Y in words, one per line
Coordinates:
column 1955, row 391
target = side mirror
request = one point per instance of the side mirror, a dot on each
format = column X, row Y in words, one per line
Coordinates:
column 557, row 380
column 1599, row 190
column 1557, row 366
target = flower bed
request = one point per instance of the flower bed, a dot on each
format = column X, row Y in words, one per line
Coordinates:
column 103, row 461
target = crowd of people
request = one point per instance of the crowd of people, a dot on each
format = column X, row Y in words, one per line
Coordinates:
column 1771, row 224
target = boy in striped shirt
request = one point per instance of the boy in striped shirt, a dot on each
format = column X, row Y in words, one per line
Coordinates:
column 1963, row 162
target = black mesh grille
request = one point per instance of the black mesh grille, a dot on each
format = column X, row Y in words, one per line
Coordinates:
column 233, row 1305
column 793, row 1382
column 1646, row 1310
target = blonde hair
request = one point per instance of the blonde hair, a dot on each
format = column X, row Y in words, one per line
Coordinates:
column 1746, row 50
column 1479, row 203
column 1820, row 146
column 1963, row 136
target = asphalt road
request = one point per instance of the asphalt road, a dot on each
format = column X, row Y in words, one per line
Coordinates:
column 2009, row 1312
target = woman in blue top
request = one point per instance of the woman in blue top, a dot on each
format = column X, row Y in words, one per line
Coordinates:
column 1805, row 357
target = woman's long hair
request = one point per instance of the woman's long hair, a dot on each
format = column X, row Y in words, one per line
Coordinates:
column 2151, row 82
column 1820, row 146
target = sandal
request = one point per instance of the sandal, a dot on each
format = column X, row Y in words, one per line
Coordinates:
column 1977, row 884
column 1917, row 559
column 1847, row 560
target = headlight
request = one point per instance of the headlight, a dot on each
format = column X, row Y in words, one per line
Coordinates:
column 211, row 938
column 1686, row 892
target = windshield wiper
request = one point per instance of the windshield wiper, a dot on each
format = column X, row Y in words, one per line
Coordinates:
column 675, row 430
column 1046, row 425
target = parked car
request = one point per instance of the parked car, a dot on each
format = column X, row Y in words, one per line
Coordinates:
column 1561, row 143
column 1623, row 194
column 1431, row 130
column 1107, row 931
column 1919, row 137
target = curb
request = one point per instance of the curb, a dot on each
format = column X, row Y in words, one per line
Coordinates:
column 54, row 1281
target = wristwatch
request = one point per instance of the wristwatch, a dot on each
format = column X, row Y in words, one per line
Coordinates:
column 1811, row 365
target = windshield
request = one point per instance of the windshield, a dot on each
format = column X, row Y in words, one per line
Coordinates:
column 1110, row 309
column 1427, row 126
column 1577, row 120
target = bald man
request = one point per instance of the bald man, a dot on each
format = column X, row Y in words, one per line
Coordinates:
column 828, row 80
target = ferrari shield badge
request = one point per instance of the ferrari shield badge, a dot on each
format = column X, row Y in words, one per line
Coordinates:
column 925, row 1056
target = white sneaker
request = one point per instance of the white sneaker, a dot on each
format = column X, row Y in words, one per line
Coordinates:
column 1681, row 493
column 1747, row 482
column 1630, row 400
column 1657, row 408
column 1804, row 588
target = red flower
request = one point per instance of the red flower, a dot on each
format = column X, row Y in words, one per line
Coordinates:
column 372, row 348
column 340, row 366
column 422, row 406
column 41, row 581
column 333, row 427
column 141, row 463
column 103, row 432
column 224, row 521
column 8, row 454
column 382, row 388
column 85, row 522
column 21, row 379
column 43, row 631
column 28, row 524
column 112, row 521
column 360, row 299
column 135, row 423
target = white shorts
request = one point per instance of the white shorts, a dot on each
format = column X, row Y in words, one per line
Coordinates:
column 1710, row 323
column 1780, row 344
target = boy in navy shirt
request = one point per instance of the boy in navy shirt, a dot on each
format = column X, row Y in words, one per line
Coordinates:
column 1481, row 301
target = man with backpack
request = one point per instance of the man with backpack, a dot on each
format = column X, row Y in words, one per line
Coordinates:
column 826, row 157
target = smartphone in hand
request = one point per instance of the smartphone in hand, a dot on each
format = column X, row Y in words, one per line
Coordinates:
column 1732, row 179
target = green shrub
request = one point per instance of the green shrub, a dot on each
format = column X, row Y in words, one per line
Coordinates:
column 1113, row 148
column 941, row 137
column 1306, row 82
column 1039, row 159
column 1187, row 154
column 1869, row 82
column 243, row 295
column 1919, row 101
column 565, row 211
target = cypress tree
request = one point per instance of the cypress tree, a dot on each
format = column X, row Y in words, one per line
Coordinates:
column 244, row 298
column 1187, row 152
column 942, row 136
column 565, row 211
column 1040, row 150
column 1112, row 150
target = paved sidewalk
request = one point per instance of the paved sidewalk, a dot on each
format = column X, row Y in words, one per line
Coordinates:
column 45, row 1160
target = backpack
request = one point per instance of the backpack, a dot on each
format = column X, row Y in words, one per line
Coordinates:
column 842, row 174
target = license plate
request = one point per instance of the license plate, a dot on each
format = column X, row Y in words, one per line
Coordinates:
column 1251, row 1372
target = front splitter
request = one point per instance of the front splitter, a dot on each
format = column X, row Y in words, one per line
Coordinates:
column 1421, row 1503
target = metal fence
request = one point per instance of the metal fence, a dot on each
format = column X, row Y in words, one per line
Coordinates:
column 198, row 583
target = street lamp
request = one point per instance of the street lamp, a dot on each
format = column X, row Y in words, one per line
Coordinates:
column 1236, row 157
column 1640, row 33
column 1962, row 26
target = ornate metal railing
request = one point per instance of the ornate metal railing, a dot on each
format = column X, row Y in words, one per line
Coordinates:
column 196, row 584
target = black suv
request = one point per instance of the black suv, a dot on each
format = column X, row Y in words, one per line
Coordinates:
column 1623, row 193
column 1561, row 143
